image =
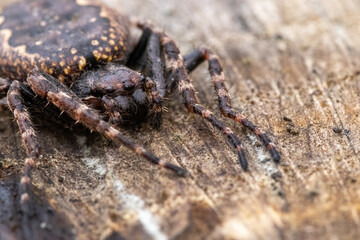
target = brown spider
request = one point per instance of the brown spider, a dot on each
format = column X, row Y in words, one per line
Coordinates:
column 75, row 55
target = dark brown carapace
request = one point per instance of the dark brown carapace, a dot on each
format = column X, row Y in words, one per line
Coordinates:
column 75, row 55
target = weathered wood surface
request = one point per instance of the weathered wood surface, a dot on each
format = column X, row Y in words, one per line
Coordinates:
column 295, row 60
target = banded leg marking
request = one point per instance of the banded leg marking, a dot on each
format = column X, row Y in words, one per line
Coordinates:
column 182, row 79
column 196, row 57
column 28, row 136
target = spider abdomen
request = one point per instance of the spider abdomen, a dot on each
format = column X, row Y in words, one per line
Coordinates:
column 63, row 38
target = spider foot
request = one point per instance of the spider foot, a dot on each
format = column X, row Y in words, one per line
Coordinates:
column 178, row 170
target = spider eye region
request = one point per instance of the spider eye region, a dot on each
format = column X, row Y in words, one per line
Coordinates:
column 114, row 81
column 121, row 93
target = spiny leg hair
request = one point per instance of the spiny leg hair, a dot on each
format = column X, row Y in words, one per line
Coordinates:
column 189, row 95
column 192, row 60
column 58, row 94
column 28, row 136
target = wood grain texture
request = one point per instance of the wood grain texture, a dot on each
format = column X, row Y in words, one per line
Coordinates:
column 284, row 60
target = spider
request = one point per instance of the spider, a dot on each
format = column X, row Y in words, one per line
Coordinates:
column 76, row 56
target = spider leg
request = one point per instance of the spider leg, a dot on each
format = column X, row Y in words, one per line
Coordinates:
column 156, row 113
column 55, row 92
column 182, row 79
column 156, row 87
column 149, row 46
column 28, row 136
column 179, row 77
column 137, row 57
column 192, row 60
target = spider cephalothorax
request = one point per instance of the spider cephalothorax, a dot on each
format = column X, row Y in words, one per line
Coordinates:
column 75, row 55
column 119, row 92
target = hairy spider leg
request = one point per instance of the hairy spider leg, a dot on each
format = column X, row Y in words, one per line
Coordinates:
column 188, row 92
column 148, row 47
column 29, row 139
column 157, row 100
column 189, row 95
column 155, row 70
column 196, row 57
column 193, row 59
column 28, row 135
column 63, row 98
